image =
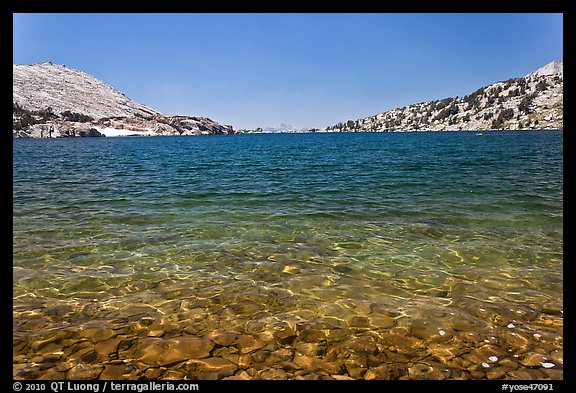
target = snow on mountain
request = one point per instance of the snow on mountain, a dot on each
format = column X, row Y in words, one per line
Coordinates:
column 52, row 100
column 283, row 127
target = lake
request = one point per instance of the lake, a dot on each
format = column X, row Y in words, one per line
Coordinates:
column 432, row 255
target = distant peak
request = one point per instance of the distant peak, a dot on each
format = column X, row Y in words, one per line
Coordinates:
column 282, row 127
column 555, row 67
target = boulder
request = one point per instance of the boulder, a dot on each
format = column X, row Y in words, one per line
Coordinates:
column 93, row 132
column 20, row 134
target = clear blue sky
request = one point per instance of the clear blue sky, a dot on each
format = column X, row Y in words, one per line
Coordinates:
column 307, row 70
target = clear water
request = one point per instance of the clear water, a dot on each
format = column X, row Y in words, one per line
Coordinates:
column 449, row 227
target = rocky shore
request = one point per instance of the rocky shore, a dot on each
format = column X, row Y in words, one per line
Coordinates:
column 158, row 125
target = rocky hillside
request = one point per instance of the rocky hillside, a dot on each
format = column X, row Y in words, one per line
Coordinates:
column 531, row 102
column 61, row 88
column 52, row 100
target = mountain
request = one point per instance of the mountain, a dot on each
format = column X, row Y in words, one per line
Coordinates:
column 534, row 101
column 282, row 127
column 552, row 68
column 51, row 100
column 61, row 88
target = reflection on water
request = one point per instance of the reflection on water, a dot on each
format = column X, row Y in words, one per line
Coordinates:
column 374, row 256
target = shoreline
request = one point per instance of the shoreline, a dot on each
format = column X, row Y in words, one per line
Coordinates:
column 114, row 132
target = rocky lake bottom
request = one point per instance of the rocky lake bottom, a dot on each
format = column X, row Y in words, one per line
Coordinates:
column 166, row 330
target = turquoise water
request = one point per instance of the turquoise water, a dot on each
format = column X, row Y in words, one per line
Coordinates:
column 295, row 228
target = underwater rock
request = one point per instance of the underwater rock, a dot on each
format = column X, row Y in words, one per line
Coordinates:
column 273, row 374
column 356, row 321
column 84, row 371
column 356, row 366
column 533, row 359
column 113, row 372
column 311, row 335
column 279, row 356
column 248, row 344
column 381, row 372
column 285, row 336
column 218, row 366
column 221, row 338
column 422, row 371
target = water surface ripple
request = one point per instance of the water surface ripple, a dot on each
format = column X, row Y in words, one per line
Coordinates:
column 375, row 256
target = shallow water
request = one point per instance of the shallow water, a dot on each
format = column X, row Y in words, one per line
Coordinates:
column 376, row 256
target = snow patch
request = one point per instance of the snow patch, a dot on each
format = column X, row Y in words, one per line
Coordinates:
column 112, row 132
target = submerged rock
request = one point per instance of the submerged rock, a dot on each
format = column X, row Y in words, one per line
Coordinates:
column 84, row 371
column 219, row 367
column 274, row 374
column 311, row 335
column 427, row 372
column 380, row 372
column 113, row 372
column 248, row 344
column 533, row 359
column 168, row 352
column 285, row 335
column 221, row 338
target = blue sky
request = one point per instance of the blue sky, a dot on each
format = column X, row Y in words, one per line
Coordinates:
column 307, row 70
